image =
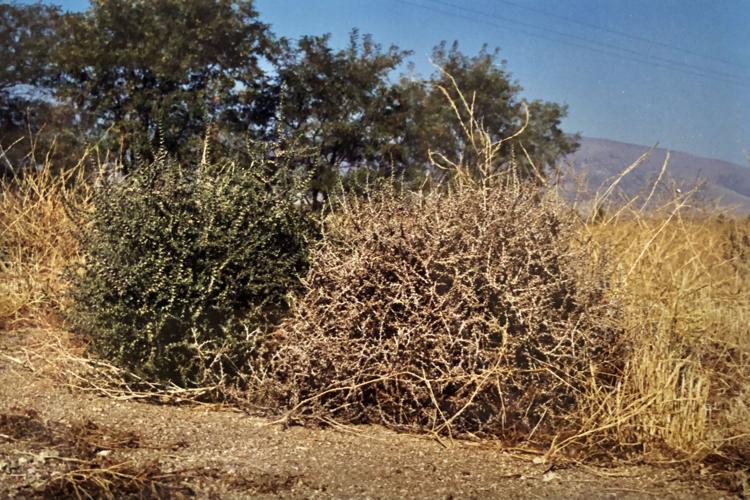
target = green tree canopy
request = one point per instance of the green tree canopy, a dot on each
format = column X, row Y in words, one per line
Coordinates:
column 27, row 36
column 344, row 106
column 157, row 72
column 27, row 33
column 495, row 96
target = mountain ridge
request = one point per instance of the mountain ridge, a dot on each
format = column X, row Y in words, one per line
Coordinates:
column 601, row 159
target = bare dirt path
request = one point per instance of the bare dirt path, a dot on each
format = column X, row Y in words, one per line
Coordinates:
column 54, row 439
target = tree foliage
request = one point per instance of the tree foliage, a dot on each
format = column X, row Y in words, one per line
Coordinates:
column 146, row 75
column 159, row 71
column 497, row 103
column 343, row 104
column 27, row 36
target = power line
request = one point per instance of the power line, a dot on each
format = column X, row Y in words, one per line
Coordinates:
column 624, row 34
column 592, row 46
column 592, row 42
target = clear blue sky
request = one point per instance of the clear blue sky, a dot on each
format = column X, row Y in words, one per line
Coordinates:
column 617, row 87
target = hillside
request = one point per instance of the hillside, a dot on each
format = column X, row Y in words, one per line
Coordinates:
column 601, row 159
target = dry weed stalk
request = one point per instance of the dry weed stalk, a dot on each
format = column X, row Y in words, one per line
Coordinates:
column 62, row 357
column 478, row 163
column 460, row 310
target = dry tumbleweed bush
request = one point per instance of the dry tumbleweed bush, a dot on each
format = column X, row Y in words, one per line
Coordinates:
column 473, row 310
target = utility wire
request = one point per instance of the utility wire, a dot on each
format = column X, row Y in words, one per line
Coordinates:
column 590, row 41
column 638, row 57
column 624, row 34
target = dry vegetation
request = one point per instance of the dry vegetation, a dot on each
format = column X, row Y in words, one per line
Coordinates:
column 37, row 241
column 74, row 461
column 471, row 310
column 625, row 336
column 685, row 282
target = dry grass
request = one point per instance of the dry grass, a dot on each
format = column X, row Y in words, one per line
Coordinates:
column 73, row 461
column 37, row 242
column 685, row 285
column 682, row 284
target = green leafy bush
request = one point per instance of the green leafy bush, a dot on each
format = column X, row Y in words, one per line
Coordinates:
column 186, row 266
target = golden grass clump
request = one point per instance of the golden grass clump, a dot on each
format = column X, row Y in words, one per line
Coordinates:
column 685, row 287
column 37, row 242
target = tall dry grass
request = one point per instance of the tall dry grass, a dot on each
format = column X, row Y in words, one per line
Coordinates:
column 684, row 282
column 37, row 241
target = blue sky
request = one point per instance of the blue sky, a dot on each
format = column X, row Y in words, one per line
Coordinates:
column 675, row 72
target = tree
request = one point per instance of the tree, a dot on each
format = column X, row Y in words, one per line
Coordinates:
column 157, row 72
column 485, row 84
column 27, row 36
column 344, row 106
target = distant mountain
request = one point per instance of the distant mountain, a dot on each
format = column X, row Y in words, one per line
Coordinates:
column 603, row 159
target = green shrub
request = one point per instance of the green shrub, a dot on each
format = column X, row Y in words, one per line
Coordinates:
column 186, row 266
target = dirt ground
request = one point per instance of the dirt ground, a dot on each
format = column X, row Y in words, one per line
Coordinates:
column 56, row 441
